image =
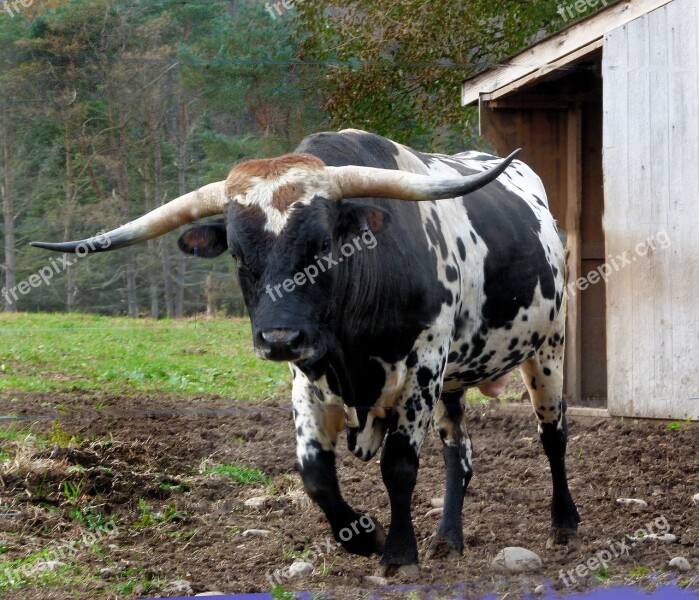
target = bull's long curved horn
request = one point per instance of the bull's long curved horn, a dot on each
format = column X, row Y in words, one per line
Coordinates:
column 204, row 202
column 368, row 182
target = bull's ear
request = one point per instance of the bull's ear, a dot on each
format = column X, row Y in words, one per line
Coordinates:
column 356, row 217
column 205, row 241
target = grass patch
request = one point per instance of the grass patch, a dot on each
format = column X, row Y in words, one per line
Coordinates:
column 36, row 571
column 63, row 352
column 241, row 474
column 149, row 518
column 133, row 578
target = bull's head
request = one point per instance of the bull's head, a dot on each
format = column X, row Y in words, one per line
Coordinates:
column 284, row 218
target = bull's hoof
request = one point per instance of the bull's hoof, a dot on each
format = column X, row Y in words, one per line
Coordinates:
column 403, row 571
column 365, row 543
column 443, row 548
column 563, row 536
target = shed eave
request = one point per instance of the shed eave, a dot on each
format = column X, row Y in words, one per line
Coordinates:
column 555, row 49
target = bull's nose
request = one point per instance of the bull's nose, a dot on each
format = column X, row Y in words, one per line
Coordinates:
column 281, row 344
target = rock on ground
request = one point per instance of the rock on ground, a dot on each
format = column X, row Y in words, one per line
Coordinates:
column 680, row 563
column 632, row 502
column 300, row 568
column 257, row 502
column 516, row 560
column 256, row 532
column 178, row 587
column 373, row 579
column 659, row 537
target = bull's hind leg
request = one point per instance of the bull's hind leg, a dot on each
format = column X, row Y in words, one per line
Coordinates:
column 543, row 376
column 449, row 421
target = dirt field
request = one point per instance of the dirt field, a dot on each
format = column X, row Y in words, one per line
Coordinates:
column 179, row 526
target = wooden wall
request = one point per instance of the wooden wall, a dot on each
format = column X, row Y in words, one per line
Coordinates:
column 651, row 166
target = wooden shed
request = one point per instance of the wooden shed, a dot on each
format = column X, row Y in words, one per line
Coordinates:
column 607, row 112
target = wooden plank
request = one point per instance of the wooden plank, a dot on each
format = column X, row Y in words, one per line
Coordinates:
column 572, row 411
column 681, row 284
column 556, row 47
column 636, row 277
column 573, row 362
column 593, row 334
column 660, row 168
column 615, row 147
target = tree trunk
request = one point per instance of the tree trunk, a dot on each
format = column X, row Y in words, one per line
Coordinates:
column 150, row 246
column 181, row 166
column 123, row 183
column 164, row 251
column 68, row 219
column 210, row 295
column 8, row 210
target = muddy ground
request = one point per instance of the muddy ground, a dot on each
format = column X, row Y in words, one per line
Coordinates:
column 115, row 451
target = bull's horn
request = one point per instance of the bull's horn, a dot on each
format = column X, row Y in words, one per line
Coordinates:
column 368, row 182
column 204, row 202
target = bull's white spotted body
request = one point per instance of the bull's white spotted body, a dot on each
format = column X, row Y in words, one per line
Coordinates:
column 456, row 293
column 459, row 347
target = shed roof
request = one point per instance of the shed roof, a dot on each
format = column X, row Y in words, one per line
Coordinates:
column 568, row 46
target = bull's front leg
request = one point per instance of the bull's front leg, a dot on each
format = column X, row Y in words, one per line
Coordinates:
column 399, row 468
column 319, row 417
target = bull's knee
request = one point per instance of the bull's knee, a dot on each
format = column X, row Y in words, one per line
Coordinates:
column 399, row 465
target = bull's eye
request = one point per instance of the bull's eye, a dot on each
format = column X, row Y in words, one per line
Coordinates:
column 325, row 245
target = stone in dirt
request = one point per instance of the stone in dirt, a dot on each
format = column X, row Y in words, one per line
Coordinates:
column 659, row 537
column 632, row 502
column 256, row 532
column 257, row 502
column 439, row 502
column 516, row 560
column 695, row 498
column 300, row 568
column 375, row 580
column 434, row 511
column 680, row 563
column 178, row 587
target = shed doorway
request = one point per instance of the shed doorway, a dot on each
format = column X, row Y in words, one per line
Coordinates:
column 558, row 122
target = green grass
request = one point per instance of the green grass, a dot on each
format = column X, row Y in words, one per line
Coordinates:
column 61, row 353
column 16, row 574
column 239, row 473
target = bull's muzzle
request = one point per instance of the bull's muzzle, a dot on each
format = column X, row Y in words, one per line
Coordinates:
column 282, row 344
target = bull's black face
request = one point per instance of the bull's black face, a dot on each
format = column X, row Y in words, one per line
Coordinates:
column 289, row 266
